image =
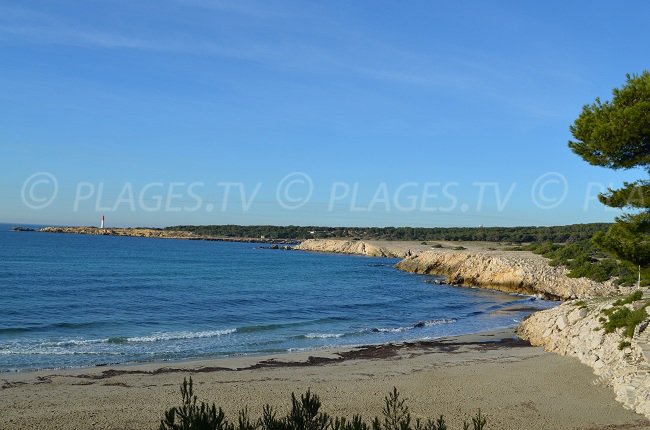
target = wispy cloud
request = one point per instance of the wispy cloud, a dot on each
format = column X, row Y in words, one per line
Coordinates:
column 63, row 36
column 332, row 48
column 28, row 26
column 242, row 7
column 25, row 26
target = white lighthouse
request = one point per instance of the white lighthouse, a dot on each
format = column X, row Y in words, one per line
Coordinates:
column 102, row 224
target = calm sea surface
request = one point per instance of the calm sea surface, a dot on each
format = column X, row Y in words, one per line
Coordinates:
column 70, row 301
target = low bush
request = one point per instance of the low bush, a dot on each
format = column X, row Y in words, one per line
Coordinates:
column 620, row 316
column 637, row 295
column 584, row 260
column 305, row 414
column 623, row 344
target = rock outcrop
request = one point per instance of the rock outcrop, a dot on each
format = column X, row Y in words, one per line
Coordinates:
column 573, row 329
column 357, row 247
column 517, row 272
column 504, row 271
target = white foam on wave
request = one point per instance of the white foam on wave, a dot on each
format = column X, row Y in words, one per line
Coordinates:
column 53, row 351
column 81, row 346
column 392, row 330
column 75, row 342
column 430, row 323
column 157, row 337
column 323, row 335
column 421, row 324
column 64, row 347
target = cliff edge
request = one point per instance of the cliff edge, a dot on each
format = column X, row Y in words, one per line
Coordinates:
column 505, row 271
column 508, row 271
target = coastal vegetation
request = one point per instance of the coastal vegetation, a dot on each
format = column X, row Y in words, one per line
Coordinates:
column 305, row 414
column 585, row 260
column 627, row 317
column 556, row 234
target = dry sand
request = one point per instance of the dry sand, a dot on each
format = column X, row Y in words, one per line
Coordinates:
column 517, row 386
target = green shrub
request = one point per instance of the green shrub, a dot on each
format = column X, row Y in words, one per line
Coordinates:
column 622, row 317
column 584, row 260
column 580, row 304
column 623, row 344
column 305, row 414
column 542, row 248
column 192, row 416
column 396, row 413
column 637, row 295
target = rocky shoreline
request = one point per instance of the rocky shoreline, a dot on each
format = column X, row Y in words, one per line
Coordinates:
column 508, row 273
column 516, row 272
column 353, row 247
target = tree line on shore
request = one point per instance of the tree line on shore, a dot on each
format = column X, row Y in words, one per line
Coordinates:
column 556, row 234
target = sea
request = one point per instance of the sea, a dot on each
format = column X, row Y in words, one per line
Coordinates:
column 69, row 301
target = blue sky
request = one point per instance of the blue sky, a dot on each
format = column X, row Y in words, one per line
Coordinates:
column 423, row 113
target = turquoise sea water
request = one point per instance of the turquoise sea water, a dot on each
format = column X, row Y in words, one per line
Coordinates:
column 74, row 300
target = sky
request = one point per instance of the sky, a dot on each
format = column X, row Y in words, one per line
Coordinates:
column 364, row 113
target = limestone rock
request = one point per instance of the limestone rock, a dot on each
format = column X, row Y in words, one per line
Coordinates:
column 579, row 334
column 577, row 315
column 562, row 322
column 358, row 247
column 505, row 272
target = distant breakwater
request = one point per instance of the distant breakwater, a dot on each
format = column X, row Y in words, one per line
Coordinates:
column 161, row 234
column 501, row 270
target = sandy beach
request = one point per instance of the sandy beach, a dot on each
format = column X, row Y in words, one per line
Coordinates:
column 516, row 385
